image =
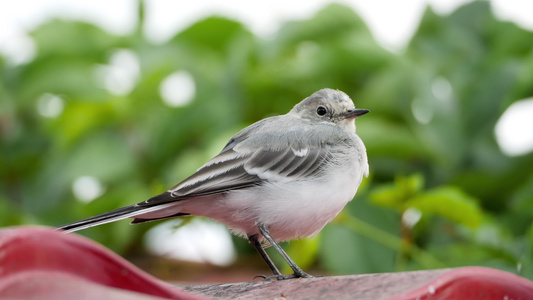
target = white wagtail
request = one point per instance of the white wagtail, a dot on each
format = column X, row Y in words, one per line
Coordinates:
column 282, row 178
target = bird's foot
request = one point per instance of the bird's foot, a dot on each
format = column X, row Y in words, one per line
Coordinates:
column 283, row 277
column 265, row 277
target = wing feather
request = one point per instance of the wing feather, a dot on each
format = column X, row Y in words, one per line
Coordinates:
column 251, row 159
column 288, row 165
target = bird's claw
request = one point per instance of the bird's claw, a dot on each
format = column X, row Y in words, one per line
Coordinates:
column 283, row 277
column 265, row 278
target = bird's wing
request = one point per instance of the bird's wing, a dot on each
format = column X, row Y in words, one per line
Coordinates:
column 287, row 164
column 245, row 162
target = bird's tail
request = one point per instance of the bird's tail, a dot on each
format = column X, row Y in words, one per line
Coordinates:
column 111, row 216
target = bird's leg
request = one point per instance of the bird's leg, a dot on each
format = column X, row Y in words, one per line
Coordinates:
column 298, row 272
column 257, row 245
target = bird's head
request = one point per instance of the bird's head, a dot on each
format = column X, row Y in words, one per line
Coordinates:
column 329, row 106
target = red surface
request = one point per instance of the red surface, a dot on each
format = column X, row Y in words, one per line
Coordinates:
column 473, row 283
column 40, row 263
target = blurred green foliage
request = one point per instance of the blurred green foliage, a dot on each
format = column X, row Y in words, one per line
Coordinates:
column 440, row 193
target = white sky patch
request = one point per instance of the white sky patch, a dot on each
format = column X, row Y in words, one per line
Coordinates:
column 518, row 11
column 392, row 26
column 117, row 16
column 19, row 48
column 17, row 18
column 514, row 130
column 87, row 188
column 164, row 18
column 49, row 105
column 178, row 89
column 200, row 240
column 392, row 22
column 446, row 6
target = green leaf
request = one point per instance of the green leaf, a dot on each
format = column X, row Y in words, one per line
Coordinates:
column 395, row 195
column 63, row 38
column 9, row 214
column 388, row 195
column 409, row 185
column 80, row 118
column 523, row 198
column 214, row 33
column 449, row 202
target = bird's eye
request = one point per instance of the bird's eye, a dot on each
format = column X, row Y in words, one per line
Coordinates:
column 321, row 110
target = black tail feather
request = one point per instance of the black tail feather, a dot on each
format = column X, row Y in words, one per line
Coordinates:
column 141, row 220
column 152, row 204
column 107, row 217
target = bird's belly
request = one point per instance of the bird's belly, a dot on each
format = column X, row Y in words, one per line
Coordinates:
column 291, row 209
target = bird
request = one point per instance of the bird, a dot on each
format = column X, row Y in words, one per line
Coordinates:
column 282, row 178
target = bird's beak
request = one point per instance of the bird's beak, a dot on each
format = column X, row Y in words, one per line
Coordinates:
column 353, row 113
